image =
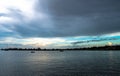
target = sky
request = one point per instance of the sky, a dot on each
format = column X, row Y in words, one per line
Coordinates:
column 59, row 23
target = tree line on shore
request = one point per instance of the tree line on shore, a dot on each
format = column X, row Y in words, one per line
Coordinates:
column 115, row 47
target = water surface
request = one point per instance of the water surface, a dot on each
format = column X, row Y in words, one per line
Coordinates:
column 55, row 63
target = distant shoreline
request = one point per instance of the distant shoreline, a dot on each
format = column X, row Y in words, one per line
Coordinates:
column 104, row 48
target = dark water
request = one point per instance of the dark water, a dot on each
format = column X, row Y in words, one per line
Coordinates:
column 67, row 63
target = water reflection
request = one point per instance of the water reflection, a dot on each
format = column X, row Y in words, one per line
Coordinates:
column 59, row 63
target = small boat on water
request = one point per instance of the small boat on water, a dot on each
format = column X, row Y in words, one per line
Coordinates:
column 32, row 51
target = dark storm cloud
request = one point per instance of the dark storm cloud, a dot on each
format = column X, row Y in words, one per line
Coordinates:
column 79, row 7
column 82, row 17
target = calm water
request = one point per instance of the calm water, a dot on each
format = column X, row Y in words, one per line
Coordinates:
column 67, row 63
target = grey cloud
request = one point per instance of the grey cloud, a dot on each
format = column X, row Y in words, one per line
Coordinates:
column 94, row 40
column 2, row 14
column 9, row 45
column 61, row 28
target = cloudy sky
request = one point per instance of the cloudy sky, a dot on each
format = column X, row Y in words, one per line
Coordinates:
column 59, row 23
